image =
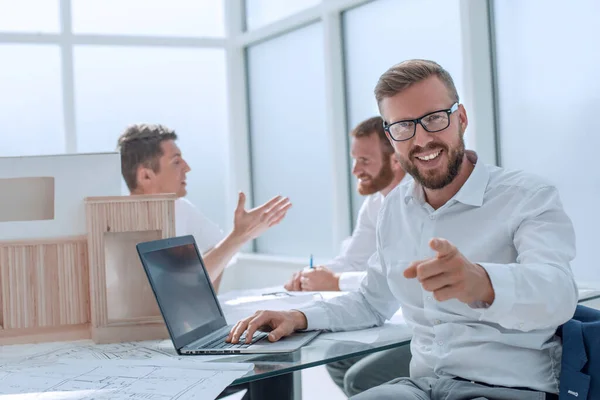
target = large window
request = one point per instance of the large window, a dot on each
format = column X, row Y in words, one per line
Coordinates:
column 290, row 145
column 74, row 85
column 31, row 119
column 263, row 12
column 385, row 32
column 29, row 16
column 548, row 102
column 181, row 88
column 149, row 17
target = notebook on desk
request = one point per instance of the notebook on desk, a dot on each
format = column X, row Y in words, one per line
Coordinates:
column 189, row 305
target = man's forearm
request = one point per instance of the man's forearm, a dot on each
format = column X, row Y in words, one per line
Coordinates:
column 217, row 258
column 350, row 281
column 531, row 296
column 350, row 311
column 300, row 321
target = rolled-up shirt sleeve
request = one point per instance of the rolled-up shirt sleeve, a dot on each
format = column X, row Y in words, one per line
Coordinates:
column 539, row 290
column 350, row 281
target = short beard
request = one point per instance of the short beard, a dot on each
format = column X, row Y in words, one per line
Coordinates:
column 382, row 180
column 455, row 159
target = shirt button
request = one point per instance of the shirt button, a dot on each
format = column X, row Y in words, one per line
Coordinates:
column 440, row 343
column 432, row 217
column 521, row 325
column 428, row 297
column 437, row 322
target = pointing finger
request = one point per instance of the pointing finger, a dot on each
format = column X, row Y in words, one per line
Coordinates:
column 443, row 247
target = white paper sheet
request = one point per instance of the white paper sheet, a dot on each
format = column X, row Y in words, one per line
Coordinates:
column 239, row 308
column 240, row 304
column 118, row 379
column 234, row 294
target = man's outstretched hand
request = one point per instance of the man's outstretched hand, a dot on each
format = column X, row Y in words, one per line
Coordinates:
column 449, row 275
column 253, row 223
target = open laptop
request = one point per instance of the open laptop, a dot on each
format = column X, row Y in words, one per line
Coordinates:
column 190, row 307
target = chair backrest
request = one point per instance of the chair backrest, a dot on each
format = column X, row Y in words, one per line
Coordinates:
column 580, row 368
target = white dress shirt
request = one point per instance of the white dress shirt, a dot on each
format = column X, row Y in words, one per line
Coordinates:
column 190, row 221
column 353, row 259
column 514, row 226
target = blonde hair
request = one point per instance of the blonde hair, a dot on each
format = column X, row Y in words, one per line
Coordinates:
column 401, row 76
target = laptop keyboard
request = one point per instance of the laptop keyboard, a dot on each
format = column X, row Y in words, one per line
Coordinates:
column 220, row 343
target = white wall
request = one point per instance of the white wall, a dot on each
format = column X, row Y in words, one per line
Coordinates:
column 548, row 52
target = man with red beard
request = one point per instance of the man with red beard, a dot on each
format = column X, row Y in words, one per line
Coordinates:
column 378, row 172
column 477, row 256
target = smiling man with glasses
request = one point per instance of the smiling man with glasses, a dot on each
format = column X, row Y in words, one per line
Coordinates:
column 436, row 121
column 477, row 257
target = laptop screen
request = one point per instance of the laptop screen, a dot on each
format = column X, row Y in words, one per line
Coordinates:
column 183, row 290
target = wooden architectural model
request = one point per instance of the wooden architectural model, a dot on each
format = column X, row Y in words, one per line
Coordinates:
column 68, row 264
column 123, row 307
column 45, row 291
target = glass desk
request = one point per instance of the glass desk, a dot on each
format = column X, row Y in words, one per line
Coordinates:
column 272, row 376
column 591, row 299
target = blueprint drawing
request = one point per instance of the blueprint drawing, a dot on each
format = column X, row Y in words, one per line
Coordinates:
column 117, row 379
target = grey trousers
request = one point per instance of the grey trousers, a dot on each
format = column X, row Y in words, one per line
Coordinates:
column 444, row 389
column 358, row 374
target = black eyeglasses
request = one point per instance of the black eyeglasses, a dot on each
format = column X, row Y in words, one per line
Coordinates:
column 433, row 122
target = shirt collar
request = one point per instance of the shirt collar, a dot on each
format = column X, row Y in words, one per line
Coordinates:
column 470, row 193
column 414, row 191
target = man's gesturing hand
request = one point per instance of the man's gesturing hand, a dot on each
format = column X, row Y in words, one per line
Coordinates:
column 449, row 275
column 280, row 323
column 253, row 223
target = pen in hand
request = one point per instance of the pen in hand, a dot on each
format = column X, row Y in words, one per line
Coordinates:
column 311, row 266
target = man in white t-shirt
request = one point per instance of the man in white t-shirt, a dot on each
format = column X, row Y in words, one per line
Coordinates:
column 378, row 172
column 151, row 162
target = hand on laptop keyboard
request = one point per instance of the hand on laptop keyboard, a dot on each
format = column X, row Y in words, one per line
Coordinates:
column 282, row 323
column 258, row 336
column 220, row 342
